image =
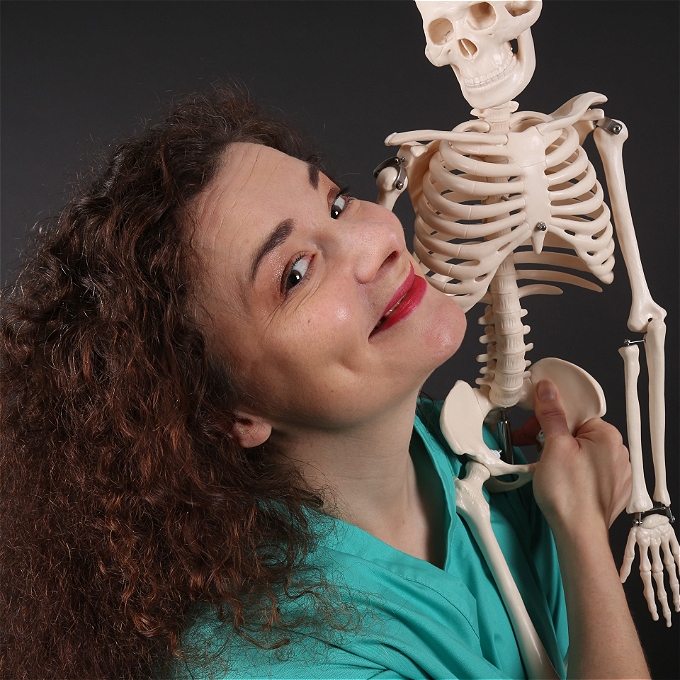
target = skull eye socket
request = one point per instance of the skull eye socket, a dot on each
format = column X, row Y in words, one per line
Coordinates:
column 481, row 15
column 440, row 31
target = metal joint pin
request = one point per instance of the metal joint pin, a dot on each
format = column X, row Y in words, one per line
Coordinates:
column 658, row 509
column 396, row 162
column 541, row 226
column 610, row 125
column 505, row 438
column 627, row 342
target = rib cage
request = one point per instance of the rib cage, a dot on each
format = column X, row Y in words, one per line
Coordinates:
column 475, row 209
column 494, row 209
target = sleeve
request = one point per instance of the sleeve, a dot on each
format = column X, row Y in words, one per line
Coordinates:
column 212, row 657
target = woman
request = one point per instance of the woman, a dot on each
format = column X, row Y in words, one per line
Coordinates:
column 210, row 369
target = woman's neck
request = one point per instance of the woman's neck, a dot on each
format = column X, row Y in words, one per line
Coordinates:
column 370, row 480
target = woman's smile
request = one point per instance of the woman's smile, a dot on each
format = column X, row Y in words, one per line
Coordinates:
column 406, row 299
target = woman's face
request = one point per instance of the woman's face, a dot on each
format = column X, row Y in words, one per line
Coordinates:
column 297, row 282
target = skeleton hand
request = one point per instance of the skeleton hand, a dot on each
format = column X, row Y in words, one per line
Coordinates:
column 653, row 534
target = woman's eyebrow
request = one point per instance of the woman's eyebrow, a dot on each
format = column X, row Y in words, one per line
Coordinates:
column 313, row 172
column 278, row 235
column 283, row 230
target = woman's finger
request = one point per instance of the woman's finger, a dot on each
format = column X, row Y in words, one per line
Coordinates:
column 548, row 410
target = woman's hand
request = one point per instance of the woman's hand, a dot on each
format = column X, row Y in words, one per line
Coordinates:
column 581, row 480
column 581, row 484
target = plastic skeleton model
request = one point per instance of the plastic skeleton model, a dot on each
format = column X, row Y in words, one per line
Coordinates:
column 516, row 188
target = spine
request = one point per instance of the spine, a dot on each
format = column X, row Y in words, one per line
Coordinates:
column 505, row 358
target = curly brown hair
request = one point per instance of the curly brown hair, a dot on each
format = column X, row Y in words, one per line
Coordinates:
column 124, row 501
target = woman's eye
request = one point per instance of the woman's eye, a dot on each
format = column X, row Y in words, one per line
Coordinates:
column 339, row 205
column 296, row 273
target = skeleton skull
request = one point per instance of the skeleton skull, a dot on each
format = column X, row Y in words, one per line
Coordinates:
column 475, row 39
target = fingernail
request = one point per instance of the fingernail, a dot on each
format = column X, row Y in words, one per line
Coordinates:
column 545, row 390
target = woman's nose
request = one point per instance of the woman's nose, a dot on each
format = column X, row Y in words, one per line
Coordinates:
column 374, row 243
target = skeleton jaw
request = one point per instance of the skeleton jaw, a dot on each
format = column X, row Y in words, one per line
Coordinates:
column 499, row 84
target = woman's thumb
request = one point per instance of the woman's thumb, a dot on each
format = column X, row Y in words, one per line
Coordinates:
column 548, row 409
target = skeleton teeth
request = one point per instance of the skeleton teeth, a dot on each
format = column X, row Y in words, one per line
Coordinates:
column 495, row 76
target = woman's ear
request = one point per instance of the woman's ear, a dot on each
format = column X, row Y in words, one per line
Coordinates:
column 249, row 430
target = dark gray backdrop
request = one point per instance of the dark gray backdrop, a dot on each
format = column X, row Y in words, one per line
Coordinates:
column 78, row 75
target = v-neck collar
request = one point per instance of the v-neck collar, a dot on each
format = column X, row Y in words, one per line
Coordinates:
column 351, row 538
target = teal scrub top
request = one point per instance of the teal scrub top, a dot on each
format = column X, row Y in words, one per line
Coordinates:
column 416, row 620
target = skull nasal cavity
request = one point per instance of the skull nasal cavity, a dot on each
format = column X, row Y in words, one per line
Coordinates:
column 440, row 31
column 467, row 48
column 481, row 15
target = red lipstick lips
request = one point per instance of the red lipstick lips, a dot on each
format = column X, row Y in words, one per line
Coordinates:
column 405, row 300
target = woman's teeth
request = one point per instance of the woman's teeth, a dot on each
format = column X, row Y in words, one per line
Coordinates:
column 389, row 311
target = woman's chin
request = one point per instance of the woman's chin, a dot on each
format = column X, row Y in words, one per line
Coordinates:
column 446, row 329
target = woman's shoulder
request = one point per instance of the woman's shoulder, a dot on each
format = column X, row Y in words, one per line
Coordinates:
column 215, row 652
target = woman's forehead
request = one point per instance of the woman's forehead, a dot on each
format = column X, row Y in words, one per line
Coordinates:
column 247, row 192
column 248, row 173
column 256, row 189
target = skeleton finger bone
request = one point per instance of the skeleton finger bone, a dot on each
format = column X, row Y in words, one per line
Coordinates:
column 657, row 573
column 648, row 590
column 671, row 560
column 628, row 555
column 650, row 534
column 643, row 540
